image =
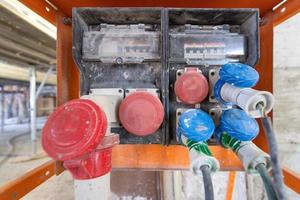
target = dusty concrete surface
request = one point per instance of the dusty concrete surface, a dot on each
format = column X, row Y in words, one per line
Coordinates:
column 193, row 189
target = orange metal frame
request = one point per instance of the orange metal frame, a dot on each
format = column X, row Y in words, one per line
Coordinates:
column 150, row 157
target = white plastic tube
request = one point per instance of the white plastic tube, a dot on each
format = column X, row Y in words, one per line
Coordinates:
column 96, row 188
column 248, row 99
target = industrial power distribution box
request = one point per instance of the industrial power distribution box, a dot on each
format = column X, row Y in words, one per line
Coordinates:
column 120, row 51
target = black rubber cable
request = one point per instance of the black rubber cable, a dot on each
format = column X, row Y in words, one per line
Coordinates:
column 265, row 176
column 207, row 182
column 273, row 151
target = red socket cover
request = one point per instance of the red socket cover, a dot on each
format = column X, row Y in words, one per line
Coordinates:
column 92, row 165
column 141, row 113
column 74, row 129
column 191, row 87
column 75, row 134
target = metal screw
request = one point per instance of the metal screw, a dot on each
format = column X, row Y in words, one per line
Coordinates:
column 67, row 21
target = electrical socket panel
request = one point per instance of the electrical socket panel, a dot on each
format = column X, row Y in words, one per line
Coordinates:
column 143, row 49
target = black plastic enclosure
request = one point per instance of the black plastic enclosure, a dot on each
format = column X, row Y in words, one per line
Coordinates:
column 136, row 48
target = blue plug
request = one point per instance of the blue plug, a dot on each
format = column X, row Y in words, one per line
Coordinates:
column 237, row 124
column 236, row 130
column 234, row 88
column 239, row 75
column 195, row 125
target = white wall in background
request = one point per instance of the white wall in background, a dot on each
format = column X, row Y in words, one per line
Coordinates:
column 287, row 43
column 286, row 115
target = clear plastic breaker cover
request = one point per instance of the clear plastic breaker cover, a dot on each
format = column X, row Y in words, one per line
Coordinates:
column 207, row 45
column 121, row 44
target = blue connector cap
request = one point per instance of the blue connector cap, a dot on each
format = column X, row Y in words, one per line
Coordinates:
column 195, row 125
column 239, row 125
column 239, row 75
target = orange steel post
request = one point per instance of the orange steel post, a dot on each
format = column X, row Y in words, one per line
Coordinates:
column 19, row 187
column 68, row 82
column 230, row 186
column 68, row 86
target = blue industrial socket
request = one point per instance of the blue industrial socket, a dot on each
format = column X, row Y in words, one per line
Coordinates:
column 195, row 125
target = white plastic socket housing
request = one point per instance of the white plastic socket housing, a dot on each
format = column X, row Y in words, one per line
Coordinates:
column 197, row 160
column 248, row 99
column 251, row 156
column 108, row 99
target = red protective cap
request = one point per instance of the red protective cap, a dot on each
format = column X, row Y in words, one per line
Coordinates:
column 141, row 113
column 95, row 164
column 191, row 87
column 74, row 129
